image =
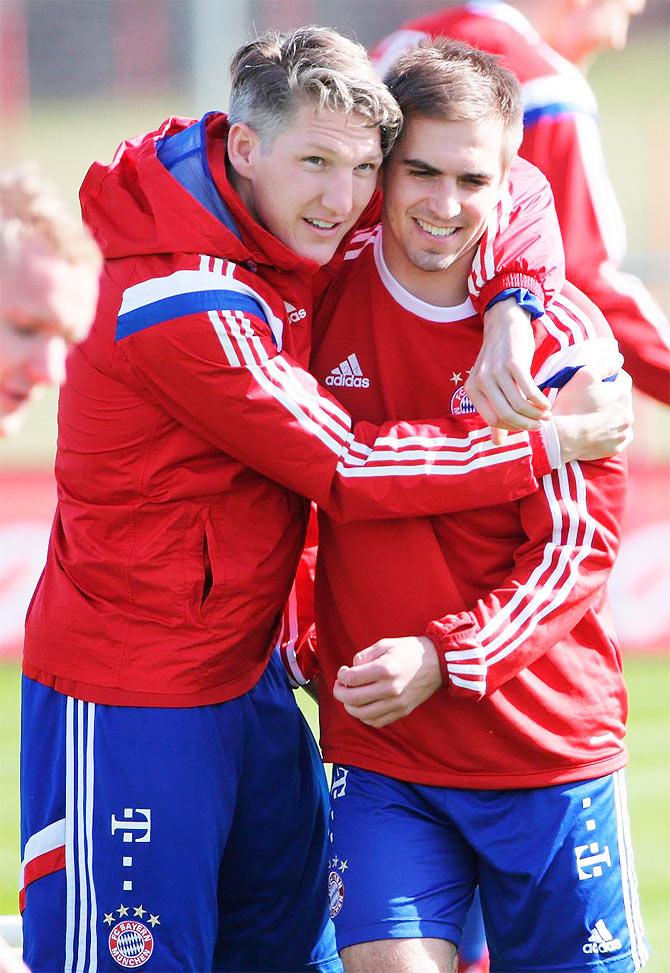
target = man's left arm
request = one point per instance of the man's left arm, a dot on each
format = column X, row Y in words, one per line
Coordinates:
column 572, row 537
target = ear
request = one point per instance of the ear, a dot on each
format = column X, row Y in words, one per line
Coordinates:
column 243, row 148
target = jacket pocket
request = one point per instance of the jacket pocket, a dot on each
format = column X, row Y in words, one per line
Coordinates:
column 205, row 572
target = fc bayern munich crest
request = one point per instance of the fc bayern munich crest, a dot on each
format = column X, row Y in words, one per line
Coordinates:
column 335, row 893
column 131, row 943
column 461, row 404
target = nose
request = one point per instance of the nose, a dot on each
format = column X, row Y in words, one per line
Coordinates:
column 45, row 362
column 446, row 203
column 338, row 193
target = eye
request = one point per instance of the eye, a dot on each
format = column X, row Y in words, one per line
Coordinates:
column 315, row 160
column 27, row 331
column 476, row 182
column 366, row 167
column 420, row 173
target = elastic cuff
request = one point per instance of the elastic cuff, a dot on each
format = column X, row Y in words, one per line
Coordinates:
column 435, row 639
column 526, row 301
column 540, row 460
column 507, row 282
column 552, row 443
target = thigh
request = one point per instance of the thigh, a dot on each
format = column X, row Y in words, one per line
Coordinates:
column 557, row 879
column 398, row 868
column 401, row 956
column 123, row 828
column 272, row 892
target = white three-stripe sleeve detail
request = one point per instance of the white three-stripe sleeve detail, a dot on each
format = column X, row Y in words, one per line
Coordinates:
column 277, row 392
column 223, row 337
column 549, row 584
column 69, row 835
column 552, row 594
column 563, row 545
column 505, row 613
column 563, row 320
column 476, row 686
column 431, row 466
column 566, row 304
column 242, row 346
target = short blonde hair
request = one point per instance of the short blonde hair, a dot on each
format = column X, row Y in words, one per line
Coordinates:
column 31, row 207
column 449, row 80
column 274, row 73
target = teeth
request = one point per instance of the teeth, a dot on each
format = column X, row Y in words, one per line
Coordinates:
column 442, row 231
column 322, row 224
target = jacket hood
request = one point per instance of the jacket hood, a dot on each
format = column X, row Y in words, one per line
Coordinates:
column 167, row 192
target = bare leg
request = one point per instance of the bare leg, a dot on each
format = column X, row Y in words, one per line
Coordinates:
column 401, row 956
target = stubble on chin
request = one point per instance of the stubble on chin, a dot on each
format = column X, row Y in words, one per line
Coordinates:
column 431, row 262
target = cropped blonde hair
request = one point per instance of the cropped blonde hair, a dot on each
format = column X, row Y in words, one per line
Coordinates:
column 31, row 207
column 273, row 74
column 449, row 80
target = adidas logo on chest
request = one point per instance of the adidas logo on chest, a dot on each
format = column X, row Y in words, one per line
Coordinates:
column 348, row 374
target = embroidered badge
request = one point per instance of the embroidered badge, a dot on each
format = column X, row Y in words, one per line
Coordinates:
column 335, row 893
column 131, row 942
column 335, row 884
column 461, row 404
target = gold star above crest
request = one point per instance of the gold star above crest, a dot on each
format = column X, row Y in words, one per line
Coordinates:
column 122, row 910
column 456, row 378
column 343, row 866
column 153, row 920
column 109, row 918
column 139, row 911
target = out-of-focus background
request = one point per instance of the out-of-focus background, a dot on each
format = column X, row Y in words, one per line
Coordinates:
column 78, row 76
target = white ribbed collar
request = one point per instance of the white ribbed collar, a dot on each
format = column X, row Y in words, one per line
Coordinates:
column 414, row 304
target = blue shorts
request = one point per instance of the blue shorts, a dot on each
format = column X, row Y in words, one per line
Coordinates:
column 174, row 839
column 554, row 866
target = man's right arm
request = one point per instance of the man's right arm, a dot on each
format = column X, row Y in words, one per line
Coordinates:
column 220, row 374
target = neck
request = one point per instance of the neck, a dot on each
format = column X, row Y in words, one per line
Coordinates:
column 441, row 288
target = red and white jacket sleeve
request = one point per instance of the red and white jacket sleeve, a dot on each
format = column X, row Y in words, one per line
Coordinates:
column 222, row 375
column 568, row 149
column 572, row 531
column 521, row 248
column 571, row 527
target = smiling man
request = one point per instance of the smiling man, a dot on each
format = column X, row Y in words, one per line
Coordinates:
column 545, row 43
column 49, row 268
column 477, row 718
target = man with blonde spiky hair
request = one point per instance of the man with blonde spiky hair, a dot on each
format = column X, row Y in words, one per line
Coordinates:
column 49, row 266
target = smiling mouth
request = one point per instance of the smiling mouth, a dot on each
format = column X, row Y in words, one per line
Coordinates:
column 438, row 232
column 321, row 224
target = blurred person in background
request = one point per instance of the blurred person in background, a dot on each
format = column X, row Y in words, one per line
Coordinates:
column 49, row 269
column 545, row 43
